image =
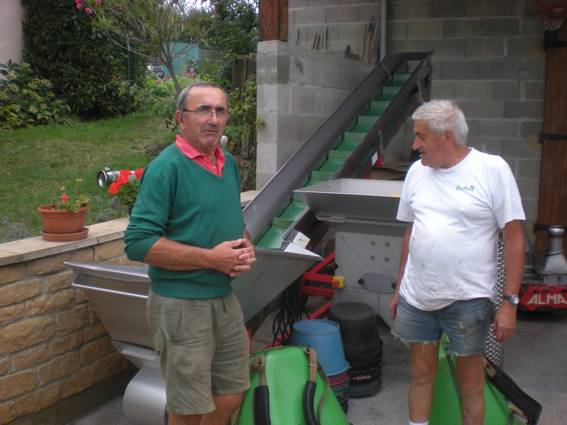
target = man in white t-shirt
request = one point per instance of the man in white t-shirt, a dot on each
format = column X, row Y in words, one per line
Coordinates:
column 455, row 200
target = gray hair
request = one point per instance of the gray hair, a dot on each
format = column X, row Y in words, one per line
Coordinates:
column 444, row 115
column 182, row 98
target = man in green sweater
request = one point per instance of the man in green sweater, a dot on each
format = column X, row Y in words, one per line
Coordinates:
column 187, row 225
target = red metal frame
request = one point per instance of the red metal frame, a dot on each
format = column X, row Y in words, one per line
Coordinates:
column 543, row 297
column 330, row 281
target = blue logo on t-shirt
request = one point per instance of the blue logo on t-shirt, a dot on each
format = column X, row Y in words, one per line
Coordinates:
column 465, row 187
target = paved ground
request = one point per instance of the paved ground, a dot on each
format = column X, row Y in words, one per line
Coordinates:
column 536, row 359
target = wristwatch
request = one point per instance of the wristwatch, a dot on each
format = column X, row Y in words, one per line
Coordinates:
column 514, row 299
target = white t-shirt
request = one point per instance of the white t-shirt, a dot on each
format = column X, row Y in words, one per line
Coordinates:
column 456, row 214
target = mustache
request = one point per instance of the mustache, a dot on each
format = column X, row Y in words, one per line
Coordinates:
column 211, row 127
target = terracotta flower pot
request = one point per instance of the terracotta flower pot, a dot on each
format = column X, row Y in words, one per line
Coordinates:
column 60, row 225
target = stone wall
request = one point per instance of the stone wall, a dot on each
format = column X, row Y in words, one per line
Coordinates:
column 297, row 90
column 52, row 345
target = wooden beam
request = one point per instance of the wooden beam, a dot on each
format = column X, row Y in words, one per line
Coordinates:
column 273, row 20
column 552, row 206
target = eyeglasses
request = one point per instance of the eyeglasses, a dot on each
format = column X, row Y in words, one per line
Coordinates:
column 207, row 111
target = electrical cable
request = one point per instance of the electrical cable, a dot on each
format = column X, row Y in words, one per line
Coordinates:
column 292, row 310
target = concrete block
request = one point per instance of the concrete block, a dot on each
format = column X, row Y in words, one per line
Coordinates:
column 286, row 151
column 310, row 126
column 529, row 188
column 474, row 127
column 273, row 98
column 266, row 157
column 442, row 47
column 273, row 70
column 506, row 90
column 397, row 30
column 326, row 100
column 457, row 69
column 319, row 3
column 341, row 14
column 530, row 208
column 525, row 46
column 292, row 4
column 269, row 131
column 473, row 89
column 531, row 26
column 369, row 12
column 533, row 90
column 338, row 48
column 520, row 149
column 483, row 108
column 533, row 69
column 408, row 10
column 484, row 8
column 531, row 109
column 425, row 29
column 517, row 8
column 300, row 70
column 290, row 129
column 512, row 69
column 303, row 100
column 485, row 47
column 351, row 31
column 498, row 128
column 443, row 89
column 473, row 27
column 462, row 27
column 487, row 145
column 531, row 128
column 446, row 9
column 500, row 26
column 354, row 1
column 310, row 16
column 528, row 169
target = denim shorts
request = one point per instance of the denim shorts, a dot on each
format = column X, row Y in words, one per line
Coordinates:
column 466, row 324
column 204, row 350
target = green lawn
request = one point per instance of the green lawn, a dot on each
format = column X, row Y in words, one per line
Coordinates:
column 36, row 162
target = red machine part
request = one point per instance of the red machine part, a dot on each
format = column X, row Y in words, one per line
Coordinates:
column 326, row 290
column 543, row 297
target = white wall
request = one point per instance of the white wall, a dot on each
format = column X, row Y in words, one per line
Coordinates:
column 11, row 36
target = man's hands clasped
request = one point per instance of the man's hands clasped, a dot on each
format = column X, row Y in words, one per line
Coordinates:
column 234, row 257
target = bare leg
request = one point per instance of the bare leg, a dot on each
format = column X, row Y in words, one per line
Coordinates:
column 174, row 419
column 470, row 378
column 423, row 359
column 226, row 405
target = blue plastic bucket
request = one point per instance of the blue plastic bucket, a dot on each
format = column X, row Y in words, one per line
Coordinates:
column 325, row 337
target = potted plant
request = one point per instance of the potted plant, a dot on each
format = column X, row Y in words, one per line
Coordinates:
column 126, row 186
column 64, row 219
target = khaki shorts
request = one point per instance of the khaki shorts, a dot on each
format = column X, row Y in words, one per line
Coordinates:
column 204, row 350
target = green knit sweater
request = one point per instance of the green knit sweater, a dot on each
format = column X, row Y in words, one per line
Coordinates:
column 182, row 201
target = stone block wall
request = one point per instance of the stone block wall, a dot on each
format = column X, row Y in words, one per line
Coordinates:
column 297, row 90
column 52, row 345
column 489, row 58
column 343, row 21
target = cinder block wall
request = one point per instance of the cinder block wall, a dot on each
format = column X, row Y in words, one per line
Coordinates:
column 52, row 345
column 297, row 90
column 343, row 20
column 489, row 58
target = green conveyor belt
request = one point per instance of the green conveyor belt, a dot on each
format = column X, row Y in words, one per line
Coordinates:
column 329, row 165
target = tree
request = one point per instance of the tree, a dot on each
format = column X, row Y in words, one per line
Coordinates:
column 151, row 24
column 87, row 70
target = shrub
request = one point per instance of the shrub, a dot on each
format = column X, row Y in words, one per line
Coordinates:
column 26, row 100
column 96, row 76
